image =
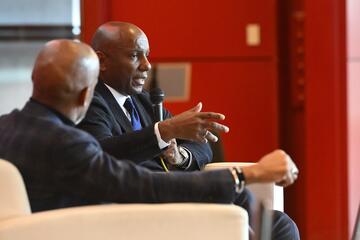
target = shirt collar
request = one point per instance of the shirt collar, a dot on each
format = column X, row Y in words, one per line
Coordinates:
column 120, row 98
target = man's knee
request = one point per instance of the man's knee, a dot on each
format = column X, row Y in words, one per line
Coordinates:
column 284, row 227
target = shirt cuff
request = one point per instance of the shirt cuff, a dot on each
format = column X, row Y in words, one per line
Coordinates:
column 161, row 143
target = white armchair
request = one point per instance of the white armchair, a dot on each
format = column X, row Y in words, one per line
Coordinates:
column 114, row 221
column 271, row 195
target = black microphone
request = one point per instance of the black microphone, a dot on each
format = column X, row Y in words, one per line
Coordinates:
column 157, row 97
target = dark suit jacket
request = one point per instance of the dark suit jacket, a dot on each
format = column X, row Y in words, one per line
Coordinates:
column 63, row 166
column 106, row 121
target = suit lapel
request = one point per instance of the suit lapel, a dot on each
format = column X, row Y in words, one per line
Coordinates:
column 120, row 116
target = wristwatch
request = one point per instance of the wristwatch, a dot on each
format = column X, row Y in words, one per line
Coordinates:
column 185, row 156
column 239, row 179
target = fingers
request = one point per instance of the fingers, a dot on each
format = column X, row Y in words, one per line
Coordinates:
column 211, row 115
column 204, row 133
column 206, row 125
column 287, row 180
column 201, row 135
column 169, row 154
column 193, row 125
column 173, row 142
column 211, row 137
column 294, row 170
column 215, row 126
column 291, row 174
column 197, row 108
column 205, row 136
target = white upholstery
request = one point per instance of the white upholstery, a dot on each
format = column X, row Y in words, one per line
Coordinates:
column 127, row 221
column 114, row 221
column 270, row 194
column 13, row 198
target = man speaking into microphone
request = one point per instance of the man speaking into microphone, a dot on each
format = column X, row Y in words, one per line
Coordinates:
column 122, row 119
column 121, row 115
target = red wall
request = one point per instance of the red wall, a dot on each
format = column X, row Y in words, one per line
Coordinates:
column 353, row 98
column 227, row 76
column 94, row 13
column 242, row 82
column 191, row 29
column 326, row 195
column 292, row 80
column 313, row 114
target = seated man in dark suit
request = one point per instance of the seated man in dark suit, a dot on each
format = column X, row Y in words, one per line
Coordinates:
column 123, row 49
column 63, row 166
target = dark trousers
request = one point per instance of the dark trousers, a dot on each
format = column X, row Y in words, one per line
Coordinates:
column 283, row 227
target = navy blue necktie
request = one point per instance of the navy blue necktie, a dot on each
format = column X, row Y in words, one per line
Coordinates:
column 135, row 119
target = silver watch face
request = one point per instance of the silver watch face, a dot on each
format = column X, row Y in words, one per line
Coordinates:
column 183, row 153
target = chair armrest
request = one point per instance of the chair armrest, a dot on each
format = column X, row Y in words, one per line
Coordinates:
column 132, row 222
column 13, row 197
column 269, row 193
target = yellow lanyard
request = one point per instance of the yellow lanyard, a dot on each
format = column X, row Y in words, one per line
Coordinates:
column 163, row 164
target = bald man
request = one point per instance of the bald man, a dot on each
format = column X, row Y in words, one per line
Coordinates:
column 123, row 49
column 63, row 166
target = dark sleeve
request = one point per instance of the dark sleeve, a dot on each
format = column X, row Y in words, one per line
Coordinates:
column 201, row 152
column 84, row 170
column 101, row 123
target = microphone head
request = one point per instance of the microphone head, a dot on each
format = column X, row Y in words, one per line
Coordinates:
column 157, row 95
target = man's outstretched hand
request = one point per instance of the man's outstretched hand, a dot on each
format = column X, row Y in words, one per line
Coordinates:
column 193, row 125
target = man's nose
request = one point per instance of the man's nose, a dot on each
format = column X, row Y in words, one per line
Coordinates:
column 145, row 64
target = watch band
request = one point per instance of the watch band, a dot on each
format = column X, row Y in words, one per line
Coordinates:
column 186, row 157
column 239, row 179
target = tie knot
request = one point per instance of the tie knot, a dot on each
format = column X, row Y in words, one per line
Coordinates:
column 129, row 105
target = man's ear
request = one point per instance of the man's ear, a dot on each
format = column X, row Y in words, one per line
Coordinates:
column 102, row 60
column 84, row 96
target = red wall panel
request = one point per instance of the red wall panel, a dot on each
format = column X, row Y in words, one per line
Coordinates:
column 241, row 81
column 187, row 28
column 94, row 13
column 227, row 75
column 314, row 129
column 247, row 94
column 326, row 195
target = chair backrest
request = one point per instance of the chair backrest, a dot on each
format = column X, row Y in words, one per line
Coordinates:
column 14, row 201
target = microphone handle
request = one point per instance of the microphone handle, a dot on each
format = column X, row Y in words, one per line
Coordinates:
column 158, row 111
